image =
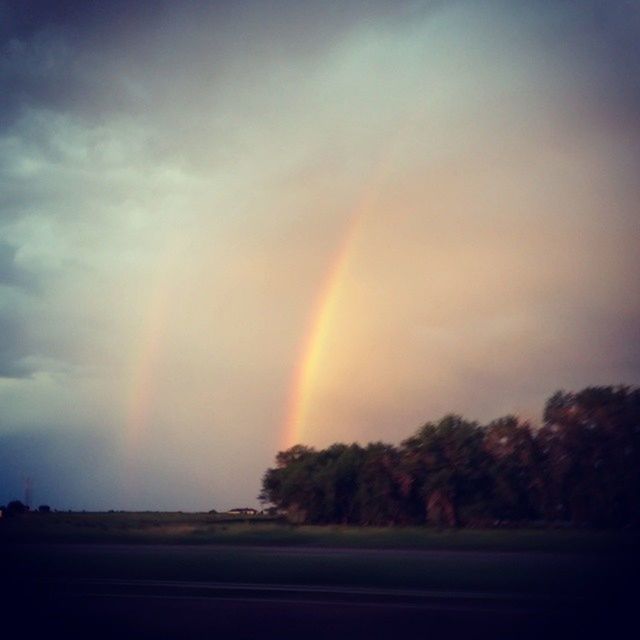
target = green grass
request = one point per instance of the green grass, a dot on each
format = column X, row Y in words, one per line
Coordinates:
column 204, row 528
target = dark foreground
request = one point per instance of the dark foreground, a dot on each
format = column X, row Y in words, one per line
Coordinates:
column 109, row 591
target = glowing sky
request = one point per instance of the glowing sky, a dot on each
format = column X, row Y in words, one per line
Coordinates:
column 226, row 227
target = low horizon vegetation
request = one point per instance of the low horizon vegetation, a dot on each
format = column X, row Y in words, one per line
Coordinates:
column 147, row 528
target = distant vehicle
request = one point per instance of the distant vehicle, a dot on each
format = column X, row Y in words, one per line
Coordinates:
column 243, row 511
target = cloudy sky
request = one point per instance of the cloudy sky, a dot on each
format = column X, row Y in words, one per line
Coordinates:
column 226, row 227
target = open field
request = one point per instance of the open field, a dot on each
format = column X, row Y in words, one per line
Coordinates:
column 205, row 528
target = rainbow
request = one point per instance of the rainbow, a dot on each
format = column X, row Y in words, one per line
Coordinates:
column 321, row 319
column 308, row 361
column 147, row 357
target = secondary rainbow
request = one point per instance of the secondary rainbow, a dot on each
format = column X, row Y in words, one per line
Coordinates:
column 151, row 345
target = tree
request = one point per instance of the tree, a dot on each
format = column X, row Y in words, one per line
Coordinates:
column 290, row 484
column 448, row 466
column 591, row 441
column 381, row 494
column 15, row 508
column 514, row 465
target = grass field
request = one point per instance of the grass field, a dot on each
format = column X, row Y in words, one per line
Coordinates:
column 204, row 528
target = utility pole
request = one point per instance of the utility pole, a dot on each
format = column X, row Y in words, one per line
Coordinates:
column 28, row 491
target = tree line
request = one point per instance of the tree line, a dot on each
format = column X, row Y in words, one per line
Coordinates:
column 581, row 466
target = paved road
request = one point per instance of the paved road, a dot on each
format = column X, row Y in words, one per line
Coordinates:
column 149, row 609
column 128, row 591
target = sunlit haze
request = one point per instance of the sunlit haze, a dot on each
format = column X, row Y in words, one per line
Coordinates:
column 229, row 227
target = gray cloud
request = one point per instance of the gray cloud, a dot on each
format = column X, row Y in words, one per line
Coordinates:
column 11, row 273
column 14, row 348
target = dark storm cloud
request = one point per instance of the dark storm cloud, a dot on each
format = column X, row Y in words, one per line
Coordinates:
column 67, row 56
column 47, row 62
column 604, row 34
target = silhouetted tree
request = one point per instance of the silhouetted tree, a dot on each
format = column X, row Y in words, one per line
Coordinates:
column 15, row 508
column 514, row 469
column 291, row 485
column 591, row 442
column 381, row 494
column 449, row 465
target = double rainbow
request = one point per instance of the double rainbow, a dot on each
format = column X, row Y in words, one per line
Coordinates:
column 313, row 345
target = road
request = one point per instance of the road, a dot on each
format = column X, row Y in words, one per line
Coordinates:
column 167, row 592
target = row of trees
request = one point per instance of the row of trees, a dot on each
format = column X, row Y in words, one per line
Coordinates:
column 581, row 466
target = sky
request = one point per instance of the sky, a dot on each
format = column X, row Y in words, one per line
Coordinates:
column 230, row 227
